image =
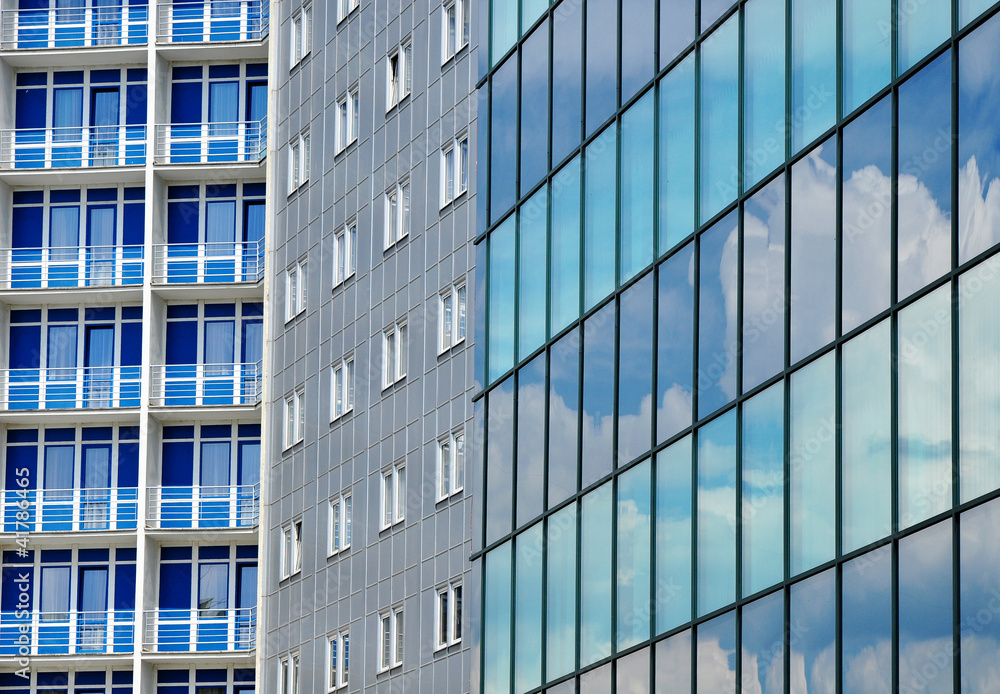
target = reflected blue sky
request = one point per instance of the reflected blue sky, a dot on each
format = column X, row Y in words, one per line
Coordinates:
column 598, row 394
column 528, row 609
column 717, row 513
column 717, row 345
column 530, row 439
column 596, row 579
column 812, row 653
column 564, row 417
column 499, row 460
column 763, row 484
column 717, row 656
column 675, row 344
column 719, row 118
column 672, row 590
column 763, row 650
column 635, row 370
column 867, row 623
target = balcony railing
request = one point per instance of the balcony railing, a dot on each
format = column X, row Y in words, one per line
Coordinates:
column 200, row 630
column 74, row 27
column 69, row 510
column 67, row 633
column 203, row 263
column 244, row 142
column 196, row 385
column 72, row 266
column 203, row 507
column 69, row 388
column 74, row 147
column 212, row 20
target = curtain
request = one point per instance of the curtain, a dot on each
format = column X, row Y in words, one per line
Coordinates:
column 215, row 457
column 97, row 467
column 62, row 352
column 223, row 108
column 101, row 239
column 105, row 108
column 55, row 593
column 104, row 117
column 248, row 587
column 220, row 227
column 58, row 469
column 64, row 228
column 67, row 112
column 213, row 589
column 219, row 353
column 258, row 101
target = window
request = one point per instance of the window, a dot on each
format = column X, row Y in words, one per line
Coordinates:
column 288, row 674
column 295, row 418
column 399, row 76
column 298, row 162
column 452, row 321
column 342, row 388
column 397, row 213
column 301, row 33
column 451, row 465
column 456, row 28
column 291, row 549
column 394, row 349
column 340, row 524
column 347, row 119
column 449, row 615
column 393, row 495
column 345, row 254
column 295, row 290
column 391, row 645
column 345, row 7
column 339, row 659
column 454, row 169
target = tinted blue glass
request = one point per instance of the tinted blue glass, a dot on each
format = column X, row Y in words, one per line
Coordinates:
column 924, row 218
column 528, row 609
column 560, row 592
column 764, row 284
column 979, row 139
column 503, row 22
column 503, row 139
column 970, row 9
column 501, row 317
column 635, row 370
column 921, row 27
column 567, row 89
column 535, row 107
column 530, row 439
column 531, row 300
column 564, row 417
column 633, row 568
column 480, row 327
column 814, row 69
column 499, row 461
column 763, row 656
column 867, row 625
column 595, row 575
column 717, row 656
column 602, row 62
column 564, row 246
column 763, row 89
column 719, row 119
column 717, row 346
column 633, row 673
column 763, row 485
column 675, row 344
column 711, row 10
column 637, row 194
column 482, row 155
column 497, row 621
column 867, row 51
column 638, row 45
column 598, row 394
column 716, row 509
column 672, row 595
column 867, row 221
column 677, row 145
column 673, row 662
column 599, row 239
column 980, row 566
column 925, row 610
column 676, row 28
column 531, row 10
column 812, row 612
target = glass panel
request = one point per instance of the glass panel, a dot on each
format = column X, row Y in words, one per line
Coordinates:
column 564, row 263
column 677, row 144
column 64, row 230
column 501, row 308
column 814, row 250
column 530, row 439
column 867, row 221
column 924, row 185
column 560, row 603
column 528, row 610
column 711, row 10
column 59, row 462
column 633, row 568
column 719, row 118
column 503, row 23
column 921, row 27
column 676, row 28
column 763, row 90
column 567, row 80
column 93, row 598
column 980, row 567
column 595, row 575
column 215, row 459
column 763, row 654
column 812, row 649
column 598, row 394
column 62, row 352
column 673, row 663
column 717, row 346
column 96, row 468
column 531, row 10
column 531, row 299
column 867, row 627
column 675, row 344
column 496, row 622
column 564, row 417
column 596, row 681
column 635, row 371
column 633, row 673
column 812, row 463
column 213, row 589
column 925, row 610
column 500, row 460
column 970, row 9
column 717, row 656
column 716, row 511
column 223, row 107
column 814, row 69
column 503, row 136
column 672, row 595
column 867, row 50
column 763, row 484
column 638, row 46
column 67, row 113
column 924, row 367
column 866, row 428
column 602, row 61
column 599, row 239
column 535, row 104
column 54, row 593
column 764, row 284
column 636, row 182
column 219, row 345
column 220, row 227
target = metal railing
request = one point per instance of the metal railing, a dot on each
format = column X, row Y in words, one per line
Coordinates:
column 203, row 507
column 203, row 263
column 74, row 27
column 200, row 630
column 212, row 20
column 65, row 633
column 73, row 147
column 211, row 143
column 196, row 385
column 71, row 266
column 69, row 510
column 69, row 388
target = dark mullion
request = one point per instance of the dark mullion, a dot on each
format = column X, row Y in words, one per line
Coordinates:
column 955, row 366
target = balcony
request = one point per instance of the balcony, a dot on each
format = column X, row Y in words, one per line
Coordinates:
column 69, row 510
column 203, row 507
column 71, row 267
column 74, row 147
column 198, row 385
column 70, row 388
column 191, row 631
column 210, row 21
column 244, row 142
column 67, row 633
column 206, row 263
column 50, row 28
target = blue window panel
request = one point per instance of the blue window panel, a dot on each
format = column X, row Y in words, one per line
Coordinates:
column 30, row 435
column 105, row 76
column 223, row 71
column 61, row 196
column 121, row 677
column 25, row 346
column 220, row 310
column 125, row 586
column 254, row 190
column 172, row 677
column 185, row 102
column 31, row 315
column 182, row 311
column 128, row 465
column 29, row 112
column 182, row 342
column 219, row 191
column 131, row 347
column 94, row 555
column 178, row 457
column 52, row 679
column 60, row 435
column 249, row 431
column 220, row 235
column 246, row 551
column 91, row 677
column 256, row 70
column 213, row 552
column 20, row 459
column 31, row 79
column 26, row 227
column 68, row 77
column 133, row 234
column 175, row 587
column 253, row 308
column 209, row 676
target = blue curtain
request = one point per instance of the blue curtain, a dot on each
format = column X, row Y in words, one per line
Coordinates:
column 64, row 227
column 247, row 596
column 220, row 227
column 62, row 351
column 58, row 468
column 223, row 107
column 257, row 99
column 101, row 239
column 219, row 342
column 97, row 467
column 67, row 112
column 215, row 457
column 55, row 592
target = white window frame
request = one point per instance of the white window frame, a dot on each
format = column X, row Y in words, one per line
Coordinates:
column 398, row 74
column 338, row 644
column 294, row 418
column 395, row 352
column 453, row 317
column 452, row 42
column 298, row 162
column 301, row 42
column 296, row 283
column 451, row 464
column 291, row 548
column 340, row 523
column 341, row 388
column 345, row 8
column 454, row 169
column 397, row 213
column 448, row 615
column 348, row 119
column 390, row 639
column 393, row 493
column 345, row 252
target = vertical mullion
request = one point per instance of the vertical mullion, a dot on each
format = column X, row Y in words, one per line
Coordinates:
column 956, row 384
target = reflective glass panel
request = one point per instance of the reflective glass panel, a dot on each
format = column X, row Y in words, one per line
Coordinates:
column 564, row 263
column 672, row 594
column 564, row 417
column 719, row 118
column 530, row 439
column 717, row 656
column 867, row 627
column 763, row 650
column 598, row 394
column 531, row 300
column 480, row 315
column 595, row 575
column 763, row 89
column 560, row 596
column 980, row 569
column 639, row 45
column 716, row 510
column 635, row 370
column 501, row 282
column 499, row 460
column 676, row 28
column 633, row 673
column 633, row 569
column 813, row 617
column 867, row 50
column 921, row 27
column 531, row 10
column 567, row 88
column 717, row 339
column 503, row 137
column 637, row 194
column 602, row 61
column 535, row 105
column 599, row 237
column 504, row 27
column 970, row 9
column 676, row 157
column 528, row 610
column 596, row 681
column 496, row 622
column 814, row 69
column 711, row 10
column 673, row 663
column 675, row 344
column 763, row 483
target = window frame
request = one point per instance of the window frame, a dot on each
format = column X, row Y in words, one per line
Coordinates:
column 459, row 296
column 298, row 162
column 391, row 649
column 399, row 74
column 295, row 299
column 345, row 8
column 293, row 405
column 455, row 155
column 393, row 496
column 341, row 512
column 338, row 381
column 395, row 354
column 348, row 116
column 451, row 479
column 397, row 213
column 449, row 633
column 291, row 548
column 349, row 233
column 301, row 43
column 461, row 10
column 338, row 674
